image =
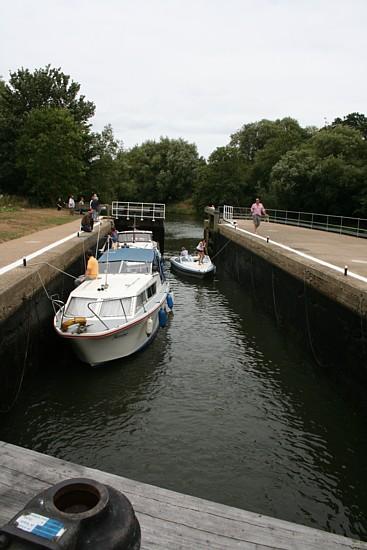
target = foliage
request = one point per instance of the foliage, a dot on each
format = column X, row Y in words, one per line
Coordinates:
column 353, row 120
column 222, row 179
column 25, row 93
column 46, row 87
column 327, row 174
column 50, row 152
column 163, row 171
column 103, row 172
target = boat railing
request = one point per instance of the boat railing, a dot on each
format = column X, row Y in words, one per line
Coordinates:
column 57, row 305
column 138, row 210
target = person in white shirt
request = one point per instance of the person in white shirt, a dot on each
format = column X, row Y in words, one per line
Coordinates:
column 71, row 204
column 257, row 210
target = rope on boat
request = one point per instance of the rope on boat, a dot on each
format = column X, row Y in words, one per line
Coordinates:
column 49, row 265
column 274, row 300
column 220, row 250
column 308, row 326
column 97, row 245
column 21, row 378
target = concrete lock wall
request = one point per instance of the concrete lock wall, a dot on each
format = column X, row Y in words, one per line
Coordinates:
column 335, row 336
column 26, row 312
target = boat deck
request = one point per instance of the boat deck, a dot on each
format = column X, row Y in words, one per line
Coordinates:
column 168, row 520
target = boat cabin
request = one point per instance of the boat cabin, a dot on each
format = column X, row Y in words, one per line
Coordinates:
column 129, row 260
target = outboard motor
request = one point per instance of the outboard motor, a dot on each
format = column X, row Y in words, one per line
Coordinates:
column 76, row 514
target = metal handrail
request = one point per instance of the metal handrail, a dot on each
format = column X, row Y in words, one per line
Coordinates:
column 141, row 210
column 346, row 225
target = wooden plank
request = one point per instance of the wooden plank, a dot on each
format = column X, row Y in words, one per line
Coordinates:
column 168, row 519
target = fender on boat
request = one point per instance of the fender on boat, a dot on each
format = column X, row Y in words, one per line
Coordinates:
column 149, row 326
column 170, row 300
column 81, row 321
column 162, row 315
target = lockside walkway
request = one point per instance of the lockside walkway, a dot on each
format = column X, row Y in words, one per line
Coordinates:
column 168, row 520
column 45, row 251
column 317, row 257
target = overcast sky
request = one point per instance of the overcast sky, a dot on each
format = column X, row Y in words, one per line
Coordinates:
column 196, row 69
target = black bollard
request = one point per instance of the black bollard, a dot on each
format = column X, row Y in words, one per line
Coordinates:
column 77, row 513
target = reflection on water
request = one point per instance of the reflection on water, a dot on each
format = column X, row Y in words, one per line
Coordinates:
column 220, row 406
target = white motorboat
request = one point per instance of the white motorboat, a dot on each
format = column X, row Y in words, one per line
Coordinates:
column 118, row 313
column 189, row 265
column 137, row 238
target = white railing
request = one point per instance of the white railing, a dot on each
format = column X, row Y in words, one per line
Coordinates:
column 139, row 210
column 345, row 225
column 228, row 213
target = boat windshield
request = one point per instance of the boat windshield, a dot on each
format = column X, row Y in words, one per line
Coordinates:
column 125, row 267
column 115, row 307
column 78, row 307
column 134, row 237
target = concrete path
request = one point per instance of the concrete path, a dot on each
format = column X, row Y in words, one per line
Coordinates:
column 339, row 250
column 13, row 252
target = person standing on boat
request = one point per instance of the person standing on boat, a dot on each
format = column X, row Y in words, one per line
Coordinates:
column 201, row 248
column 257, row 210
column 92, row 270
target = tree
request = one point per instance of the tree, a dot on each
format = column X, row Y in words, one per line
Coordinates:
column 222, row 180
column 327, row 174
column 50, row 153
column 260, row 146
column 353, row 120
column 163, row 171
column 25, row 92
column 46, row 87
column 103, row 173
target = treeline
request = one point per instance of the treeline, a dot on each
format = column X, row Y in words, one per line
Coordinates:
column 48, row 150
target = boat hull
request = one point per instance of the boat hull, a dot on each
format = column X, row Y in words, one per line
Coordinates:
column 203, row 273
column 100, row 349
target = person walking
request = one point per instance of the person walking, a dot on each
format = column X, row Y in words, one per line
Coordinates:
column 257, row 210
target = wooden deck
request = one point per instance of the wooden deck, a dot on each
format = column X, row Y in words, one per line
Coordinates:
column 168, row 520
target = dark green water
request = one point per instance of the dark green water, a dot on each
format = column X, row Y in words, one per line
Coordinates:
column 220, row 406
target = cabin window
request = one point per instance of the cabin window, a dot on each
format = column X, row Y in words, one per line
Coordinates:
column 142, row 237
column 109, row 267
column 116, row 308
column 125, row 238
column 140, row 300
column 135, row 267
column 78, row 307
column 151, row 290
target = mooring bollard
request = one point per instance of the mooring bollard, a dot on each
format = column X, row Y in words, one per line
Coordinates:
column 345, row 270
column 77, row 513
column 24, row 262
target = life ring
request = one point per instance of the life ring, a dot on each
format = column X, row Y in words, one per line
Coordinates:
column 81, row 321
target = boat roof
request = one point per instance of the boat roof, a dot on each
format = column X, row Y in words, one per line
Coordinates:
column 128, row 255
column 132, row 231
column 119, row 286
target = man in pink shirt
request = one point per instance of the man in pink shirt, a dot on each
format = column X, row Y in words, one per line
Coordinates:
column 257, row 210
